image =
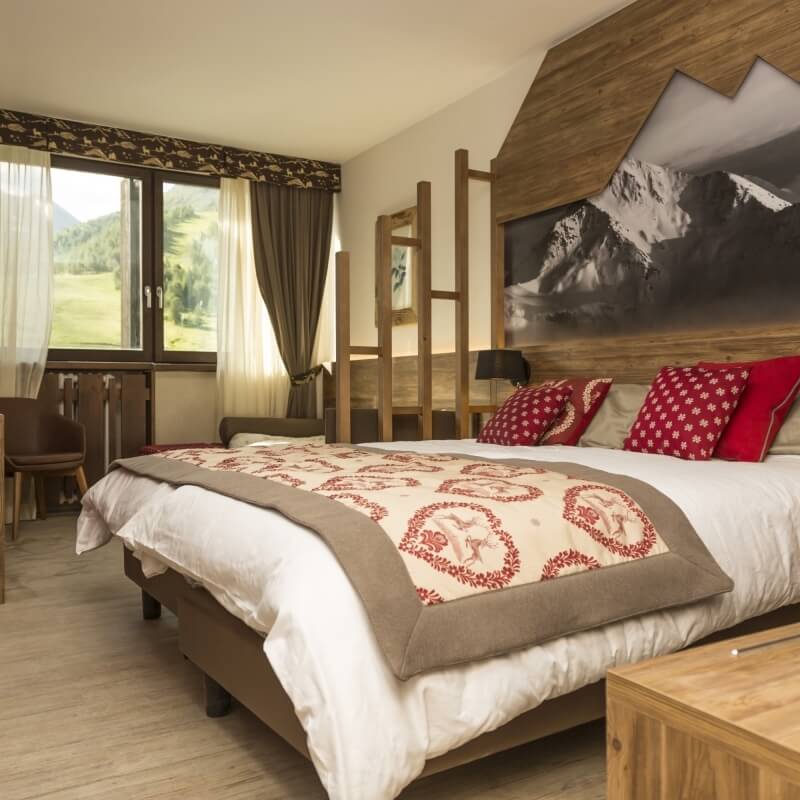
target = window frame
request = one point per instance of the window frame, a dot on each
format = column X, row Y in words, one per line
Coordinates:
column 60, row 354
column 152, row 351
column 162, row 356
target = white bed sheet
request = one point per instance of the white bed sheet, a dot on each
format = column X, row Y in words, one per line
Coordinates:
column 369, row 734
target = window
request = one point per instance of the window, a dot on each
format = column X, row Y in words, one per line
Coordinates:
column 135, row 261
column 189, row 260
column 97, row 259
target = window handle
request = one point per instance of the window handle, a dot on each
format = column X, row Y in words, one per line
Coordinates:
column 148, row 297
column 160, row 296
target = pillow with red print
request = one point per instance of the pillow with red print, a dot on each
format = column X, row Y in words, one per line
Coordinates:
column 686, row 411
column 766, row 401
column 525, row 416
column 586, row 398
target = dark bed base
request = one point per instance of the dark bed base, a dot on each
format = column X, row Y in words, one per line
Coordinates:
column 232, row 660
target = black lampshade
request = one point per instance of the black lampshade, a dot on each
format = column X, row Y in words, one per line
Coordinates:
column 502, row 365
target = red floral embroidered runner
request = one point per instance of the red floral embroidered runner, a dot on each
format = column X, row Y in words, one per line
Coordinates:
column 417, row 532
column 461, row 527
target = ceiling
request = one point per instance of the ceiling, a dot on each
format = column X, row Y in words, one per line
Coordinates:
column 318, row 78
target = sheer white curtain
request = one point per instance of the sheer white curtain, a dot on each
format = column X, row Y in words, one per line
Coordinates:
column 26, row 269
column 251, row 378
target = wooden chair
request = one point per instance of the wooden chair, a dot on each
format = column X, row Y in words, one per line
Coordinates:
column 43, row 445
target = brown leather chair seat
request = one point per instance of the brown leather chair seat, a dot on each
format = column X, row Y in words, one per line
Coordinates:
column 45, row 461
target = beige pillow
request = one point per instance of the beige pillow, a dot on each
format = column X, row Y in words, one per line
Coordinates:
column 615, row 416
column 787, row 442
column 266, row 440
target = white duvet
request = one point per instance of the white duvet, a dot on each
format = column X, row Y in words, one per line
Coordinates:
column 370, row 734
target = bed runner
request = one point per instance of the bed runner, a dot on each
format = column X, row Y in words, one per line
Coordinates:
column 457, row 559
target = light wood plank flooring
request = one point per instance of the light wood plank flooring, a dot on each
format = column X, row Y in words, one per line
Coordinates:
column 97, row 705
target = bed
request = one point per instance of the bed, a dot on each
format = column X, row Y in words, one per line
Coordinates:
column 272, row 588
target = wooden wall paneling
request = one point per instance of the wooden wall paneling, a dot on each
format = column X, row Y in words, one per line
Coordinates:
column 636, row 359
column 423, row 290
column 364, row 384
column 594, row 91
column 626, row 359
column 134, row 400
column 383, row 287
column 461, row 253
column 342, row 347
column 91, row 414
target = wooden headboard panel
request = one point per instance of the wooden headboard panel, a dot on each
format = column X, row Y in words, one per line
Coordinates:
column 627, row 360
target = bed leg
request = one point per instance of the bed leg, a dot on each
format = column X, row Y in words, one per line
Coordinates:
column 218, row 701
column 151, row 608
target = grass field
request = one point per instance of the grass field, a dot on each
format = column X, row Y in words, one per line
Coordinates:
column 87, row 315
column 178, row 337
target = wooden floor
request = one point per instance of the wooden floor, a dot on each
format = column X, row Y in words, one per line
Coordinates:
column 96, row 704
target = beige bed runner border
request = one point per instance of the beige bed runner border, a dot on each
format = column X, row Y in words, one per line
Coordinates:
column 415, row 637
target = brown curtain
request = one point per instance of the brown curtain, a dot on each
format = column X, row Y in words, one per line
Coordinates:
column 291, row 244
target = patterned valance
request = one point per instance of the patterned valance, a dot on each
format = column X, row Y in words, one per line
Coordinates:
column 163, row 152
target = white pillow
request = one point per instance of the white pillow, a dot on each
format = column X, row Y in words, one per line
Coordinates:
column 265, row 440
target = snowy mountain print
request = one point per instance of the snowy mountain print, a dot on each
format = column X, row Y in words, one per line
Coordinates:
column 657, row 246
column 711, row 241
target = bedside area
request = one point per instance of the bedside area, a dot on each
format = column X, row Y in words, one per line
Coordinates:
column 708, row 724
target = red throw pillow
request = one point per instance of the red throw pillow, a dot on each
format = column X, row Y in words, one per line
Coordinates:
column 525, row 416
column 767, row 399
column 587, row 397
column 686, row 411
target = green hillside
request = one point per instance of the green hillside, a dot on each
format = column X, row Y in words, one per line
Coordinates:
column 87, row 265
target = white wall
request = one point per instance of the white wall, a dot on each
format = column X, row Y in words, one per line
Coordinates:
column 186, row 407
column 383, row 180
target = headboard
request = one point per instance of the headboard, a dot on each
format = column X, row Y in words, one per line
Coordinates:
column 625, row 359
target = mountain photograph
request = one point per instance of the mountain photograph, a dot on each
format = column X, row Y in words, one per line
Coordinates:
column 689, row 234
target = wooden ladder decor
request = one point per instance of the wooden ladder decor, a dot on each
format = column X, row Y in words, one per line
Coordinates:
column 384, row 241
column 463, row 175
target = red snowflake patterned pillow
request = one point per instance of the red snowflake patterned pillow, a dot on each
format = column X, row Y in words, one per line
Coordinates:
column 525, row 416
column 686, row 411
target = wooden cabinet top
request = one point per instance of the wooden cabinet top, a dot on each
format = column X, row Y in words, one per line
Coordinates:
column 752, row 698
